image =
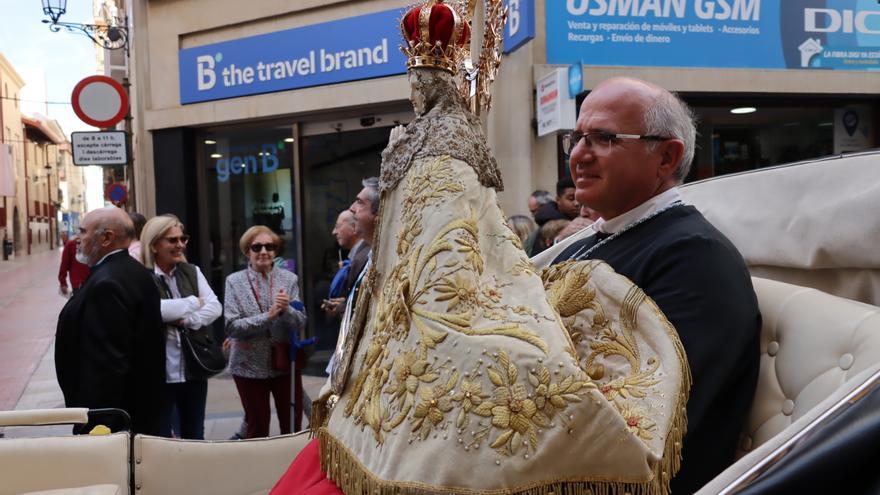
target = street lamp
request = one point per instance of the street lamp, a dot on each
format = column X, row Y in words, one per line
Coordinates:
column 113, row 35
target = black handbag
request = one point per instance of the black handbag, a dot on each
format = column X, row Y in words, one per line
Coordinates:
column 204, row 357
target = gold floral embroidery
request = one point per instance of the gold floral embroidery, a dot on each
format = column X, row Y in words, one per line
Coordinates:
column 412, row 386
column 471, row 397
column 600, row 340
column 638, row 421
column 516, row 408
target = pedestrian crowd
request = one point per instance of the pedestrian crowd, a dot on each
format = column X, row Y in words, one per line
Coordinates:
column 148, row 347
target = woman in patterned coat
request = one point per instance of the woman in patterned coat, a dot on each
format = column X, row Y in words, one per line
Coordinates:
column 262, row 307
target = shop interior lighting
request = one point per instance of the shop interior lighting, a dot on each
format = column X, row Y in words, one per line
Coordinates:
column 216, row 155
column 743, row 110
column 210, row 141
column 288, row 140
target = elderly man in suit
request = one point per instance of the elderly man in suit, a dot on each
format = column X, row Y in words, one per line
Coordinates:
column 110, row 344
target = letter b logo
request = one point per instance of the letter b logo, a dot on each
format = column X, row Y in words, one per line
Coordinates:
column 206, row 75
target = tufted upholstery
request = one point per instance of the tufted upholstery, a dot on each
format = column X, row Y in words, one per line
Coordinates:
column 811, row 343
column 815, row 348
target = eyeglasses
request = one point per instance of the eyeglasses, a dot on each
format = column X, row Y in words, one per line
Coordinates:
column 601, row 140
column 257, row 247
column 182, row 239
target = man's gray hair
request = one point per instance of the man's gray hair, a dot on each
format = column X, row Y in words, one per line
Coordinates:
column 542, row 197
column 669, row 116
column 371, row 184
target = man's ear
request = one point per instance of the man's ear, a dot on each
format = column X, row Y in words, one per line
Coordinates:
column 108, row 237
column 671, row 151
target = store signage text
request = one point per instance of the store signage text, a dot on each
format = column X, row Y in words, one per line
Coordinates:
column 704, row 9
column 265, row 161
column 714, row 33
column 349, row 49
column 832, row 21
column 520, row 26
column 233, row 75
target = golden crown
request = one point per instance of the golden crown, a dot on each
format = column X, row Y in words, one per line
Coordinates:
column 436, row 34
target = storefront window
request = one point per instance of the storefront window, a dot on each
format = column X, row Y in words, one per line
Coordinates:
column 730, row 143
column 333, row 166
column 249, row 181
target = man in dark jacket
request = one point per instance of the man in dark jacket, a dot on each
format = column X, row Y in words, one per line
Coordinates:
column 109, row 342
column 633, row 145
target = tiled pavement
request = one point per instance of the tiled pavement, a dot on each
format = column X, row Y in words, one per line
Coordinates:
column 30, row 304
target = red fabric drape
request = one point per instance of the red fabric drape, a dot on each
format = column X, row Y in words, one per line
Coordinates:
column 304, row 476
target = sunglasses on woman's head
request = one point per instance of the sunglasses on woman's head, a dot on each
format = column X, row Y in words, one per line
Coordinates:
column 257, row 247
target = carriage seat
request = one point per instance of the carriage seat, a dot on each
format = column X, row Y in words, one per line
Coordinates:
column 814, row 347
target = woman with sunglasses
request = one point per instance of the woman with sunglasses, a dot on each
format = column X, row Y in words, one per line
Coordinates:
column 188, row 304
column 262, row 306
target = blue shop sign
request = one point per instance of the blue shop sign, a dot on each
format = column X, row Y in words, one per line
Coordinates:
column 520, row 26
column 808, row 34
column 351, row 49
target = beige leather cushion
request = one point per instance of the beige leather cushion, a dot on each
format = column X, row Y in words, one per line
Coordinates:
column 83, row 490
column 29, row 464
column 811, row 343
column 166, row 466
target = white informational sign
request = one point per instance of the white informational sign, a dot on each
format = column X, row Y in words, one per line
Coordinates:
column 852, row 128
column 100, row 148
column 555, row 109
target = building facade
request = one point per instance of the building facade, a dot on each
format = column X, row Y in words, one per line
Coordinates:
column 272, row 113
column 13, row 222
column 43, row 163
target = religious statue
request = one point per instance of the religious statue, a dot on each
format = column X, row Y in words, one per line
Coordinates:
column 462, row 369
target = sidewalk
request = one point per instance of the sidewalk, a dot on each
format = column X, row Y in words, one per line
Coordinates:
column 29, row 304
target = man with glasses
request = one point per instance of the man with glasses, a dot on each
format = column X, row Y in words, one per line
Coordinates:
column 633, row 146
column 109, row 347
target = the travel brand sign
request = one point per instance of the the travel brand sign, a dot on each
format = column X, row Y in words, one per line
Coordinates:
column 350, row 49
column 779, row 34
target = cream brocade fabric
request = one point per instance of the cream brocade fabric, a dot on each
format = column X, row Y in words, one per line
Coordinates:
column 464, row 378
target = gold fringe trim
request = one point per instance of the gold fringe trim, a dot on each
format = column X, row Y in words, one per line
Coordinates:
column 346, row 471
column 319, row 417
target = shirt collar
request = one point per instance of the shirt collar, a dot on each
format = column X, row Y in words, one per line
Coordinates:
column 354, row 249
column 109, row 254
column 158, row 271
column 650, row 206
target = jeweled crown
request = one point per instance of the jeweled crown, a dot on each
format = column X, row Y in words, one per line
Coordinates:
column 436, row 34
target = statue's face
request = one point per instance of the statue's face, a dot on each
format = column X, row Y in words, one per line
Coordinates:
column 417, row 96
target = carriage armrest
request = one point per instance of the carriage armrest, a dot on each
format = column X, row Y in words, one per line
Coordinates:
column 84, row 490
column 38, row 417
column 164, row 465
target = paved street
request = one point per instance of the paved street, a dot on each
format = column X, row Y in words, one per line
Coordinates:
column 30, row 304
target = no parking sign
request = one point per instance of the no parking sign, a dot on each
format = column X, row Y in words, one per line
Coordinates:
column 116, row 193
